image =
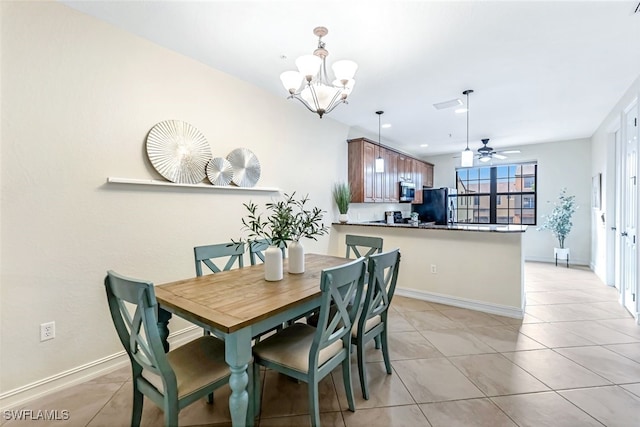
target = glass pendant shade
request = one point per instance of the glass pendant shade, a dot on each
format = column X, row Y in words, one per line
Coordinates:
column 467, row 158
column 291, row 80
column 344, row 69
column 379, row 165
column 323, row 94
column 484, row 159
column 308, row 65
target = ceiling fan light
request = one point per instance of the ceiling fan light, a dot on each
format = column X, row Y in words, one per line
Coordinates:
column 485, row 159
column 291, row 80
column 344, row 69
column 467, row 158
column 308, row 65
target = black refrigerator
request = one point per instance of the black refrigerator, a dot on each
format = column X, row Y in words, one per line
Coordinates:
column 439, row 205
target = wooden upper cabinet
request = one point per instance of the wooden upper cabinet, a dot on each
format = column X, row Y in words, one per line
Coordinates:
column 367, row 186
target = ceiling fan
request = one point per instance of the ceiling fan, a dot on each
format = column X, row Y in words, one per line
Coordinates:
column 486, row 153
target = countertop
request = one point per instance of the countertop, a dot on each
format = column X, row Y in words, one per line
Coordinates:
column 494, row 228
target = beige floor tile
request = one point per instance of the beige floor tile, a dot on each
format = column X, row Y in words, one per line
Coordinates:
column 505, row 338
column 568, row 312
column 465, row 413
column 435, row 380
column 632, row 351
column 606, row 363
column 596, row 332
column 554, row 370
column 471, row 318
column 81, row 403
column 456, row 342
column 560, row 297
column 406, row 304
column 612, row 406
column 625, row 326
column 328, row 419
column 633, row 388
column 430, row 320
column 384, row 389
column 402, row 346
column 395, row 416
column 543, row 409
column 283, row 396
column 496, row 375
column 614, row 308
column 397, row 322
column 550, row 335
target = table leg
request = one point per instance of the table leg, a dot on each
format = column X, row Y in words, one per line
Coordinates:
column 238, row 355
column 163, row 327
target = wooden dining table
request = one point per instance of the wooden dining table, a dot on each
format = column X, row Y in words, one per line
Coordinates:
column 240, row 304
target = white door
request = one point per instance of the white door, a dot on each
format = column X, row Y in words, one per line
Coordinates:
column 629, row 230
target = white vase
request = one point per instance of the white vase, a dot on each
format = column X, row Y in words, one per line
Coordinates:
column 343, row 218
column 561, row 253
column 272, row 264
column 296, row 258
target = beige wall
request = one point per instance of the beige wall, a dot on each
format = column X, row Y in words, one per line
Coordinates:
column 78, row 98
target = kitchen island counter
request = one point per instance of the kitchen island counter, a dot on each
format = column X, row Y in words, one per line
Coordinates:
column 479, row 267
column 496, row 228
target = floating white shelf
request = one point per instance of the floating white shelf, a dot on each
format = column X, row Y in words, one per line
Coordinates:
column 134, row 181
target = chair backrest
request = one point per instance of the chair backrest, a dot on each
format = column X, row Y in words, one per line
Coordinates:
column 257, row 248
column 383, row 275
column 138, row 334
column 358, row 243
column 205, row 254
column 339, row 286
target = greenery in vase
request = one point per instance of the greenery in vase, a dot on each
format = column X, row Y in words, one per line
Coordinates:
column 559, row 220
column 285, row 220
column 342, row 196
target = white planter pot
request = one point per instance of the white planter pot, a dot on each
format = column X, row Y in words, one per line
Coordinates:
column 561, row 253
column 296, row 258
column 343, row 218
column 273, row 264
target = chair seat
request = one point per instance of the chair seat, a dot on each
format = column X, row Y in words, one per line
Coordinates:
column 291, row 347
column 376, row 320
column 196, row 364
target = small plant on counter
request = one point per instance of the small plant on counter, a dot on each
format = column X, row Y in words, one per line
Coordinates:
column 342, row 196
column 559, row 220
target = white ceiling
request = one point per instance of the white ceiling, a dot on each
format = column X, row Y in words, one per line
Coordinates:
column 541, row 71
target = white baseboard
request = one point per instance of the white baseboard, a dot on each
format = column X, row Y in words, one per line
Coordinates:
column 551, row 260
column 500, row 310
column 21, row 395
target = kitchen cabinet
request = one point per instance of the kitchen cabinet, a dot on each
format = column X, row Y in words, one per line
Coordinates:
column 367, row 186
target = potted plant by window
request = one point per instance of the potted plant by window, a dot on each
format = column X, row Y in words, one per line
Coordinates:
column 284, row 221
column 559, row 223
column 342, row 197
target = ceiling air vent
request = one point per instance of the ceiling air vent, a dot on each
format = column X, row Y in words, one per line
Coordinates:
column 447, row 104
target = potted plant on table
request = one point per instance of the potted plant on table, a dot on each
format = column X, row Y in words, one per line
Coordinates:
column 342, row 197
column 284, row 221
column 559, row 223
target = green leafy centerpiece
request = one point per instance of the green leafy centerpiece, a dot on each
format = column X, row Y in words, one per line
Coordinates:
column 283, row 224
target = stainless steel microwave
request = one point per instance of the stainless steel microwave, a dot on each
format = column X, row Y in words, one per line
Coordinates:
column 407, row 191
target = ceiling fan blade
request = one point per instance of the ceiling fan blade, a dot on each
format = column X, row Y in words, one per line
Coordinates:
column 499, row 156
column 510, row 152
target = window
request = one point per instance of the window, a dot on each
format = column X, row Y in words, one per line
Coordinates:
column 502, row 194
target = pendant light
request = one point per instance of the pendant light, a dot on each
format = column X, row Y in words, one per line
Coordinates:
column 467, row 155
column 379, row 168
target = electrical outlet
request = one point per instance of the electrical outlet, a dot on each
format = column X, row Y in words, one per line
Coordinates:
column 47, row 331
column 434, row 269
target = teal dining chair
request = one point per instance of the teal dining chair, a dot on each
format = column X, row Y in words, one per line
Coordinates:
column 309, row 354
column 372, row 321
column 171, row 380
column 257, row 248
column 233, row 252
column 363, row 245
